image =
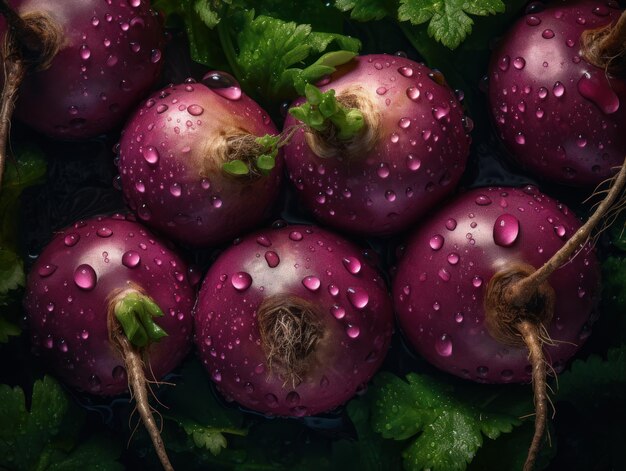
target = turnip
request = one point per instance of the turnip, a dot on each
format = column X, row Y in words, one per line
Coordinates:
column 292, row 321
column 79, row 65
column 109, row 307
column 198, row 162
column 557, row 91
column 381, row 149
column 498, row 284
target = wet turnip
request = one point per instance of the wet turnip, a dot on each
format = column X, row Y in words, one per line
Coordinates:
column 556, row 97
column 109, row 306
column 392, row 145
column 196, row 164
column 455, row 296
column 292, row 321
column 78, row 66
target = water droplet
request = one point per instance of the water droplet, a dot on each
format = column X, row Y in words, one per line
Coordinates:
column 453, row 258
column 71, row 240
column 436, row 242
column 458, row 317
column 542, row 92
column 195, row 110
column 413, row 93
column 558, row 90
column 358, row 297
column 404, row 123
column 443, row 345
column 504, row 63
column 85, row 277
column 151, row 155
column 482, row 200
column 353, row 331
column 381, row 90
column 162, row 108
column 271, row 400
column 597, row 89
column 547, row 34
column 482, row 371
column 46, row 270
column 520, row 138
column 223, row 84
column 507, row 375
column 395, row 138
column 241, row 281
column 406, row 71
column 519, row 63
column 296, row 236
column 155, row 55
column 175, row 190
column 383, row 170
column 95, row 385
column 390, row 196
column 144, row 212
column 560, row 231
column 440, row 112
column 272, row 259
column 413, row 163
column 217, row 376
column 477, row 281
column 338, row 311
column 352, row 264
column 532, row 20
column 312, row 283
column 104, row 232
column 451, row 224
column 131, row 259
column 85, row 52
column 444, row 274
column 505, row 230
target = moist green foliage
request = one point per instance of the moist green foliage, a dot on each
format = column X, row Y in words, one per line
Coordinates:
column 47, row 436
column 25, row 169
column 444, row 430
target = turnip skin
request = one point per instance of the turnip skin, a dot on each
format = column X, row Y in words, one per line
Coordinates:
column 68, row 324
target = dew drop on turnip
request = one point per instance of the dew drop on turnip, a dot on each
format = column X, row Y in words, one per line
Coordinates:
column 444, row 274
column 558, row 90
column 295, row 236
column 506, row 230
column 453, row 258
column 85, row 277
column 195, row 110
column 483, row 200
column 547, row 34
column 358, row 297
column 477, row 281
column 436, row 242
column 119, row 373
column 406, row 71
column 597, row 89
column 131, row 259
column 353, row 331
column 47, row 270
column 95, row 385
column 338, row 311
column 241, row 281
column 312, row 283
column 413, row 162
column 272, row 259
column 413, row 93
column 352, row 264
column 444, row 345
column 560, row 231
column 71, row 240
column 151, row 155
column 333, row 290
column 451, row 224
column 104, row 232
column 223, row 84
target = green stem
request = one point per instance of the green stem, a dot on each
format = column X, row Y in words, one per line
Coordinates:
column 135, row 312
column 228, row 47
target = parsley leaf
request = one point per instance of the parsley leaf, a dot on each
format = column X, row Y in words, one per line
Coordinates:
column 366, row 10
column 47, row 437
column 449, row 20
column 594, row 381
column 449, row 431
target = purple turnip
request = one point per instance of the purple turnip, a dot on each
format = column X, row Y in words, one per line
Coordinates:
column 198, row 162
column 393, row 144
column 79, row 65
column 460, row 301
column 292, row 321
column 109, row 306
column 557, row 91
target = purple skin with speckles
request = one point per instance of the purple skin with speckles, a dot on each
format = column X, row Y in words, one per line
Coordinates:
column 68, row 290
column 309, row 263
column 441, row 278
column 109, row 59
column 173, row 179
column 560, row 117
column 417, row 160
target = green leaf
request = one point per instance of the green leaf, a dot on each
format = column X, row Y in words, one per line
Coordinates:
column 47, row 437
column 265, row 163
column 11, row 272
column 235, row 167
column 366, row 10
column 136, row 312
column 591, row 382
column 449, row 431
column 449, row 20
